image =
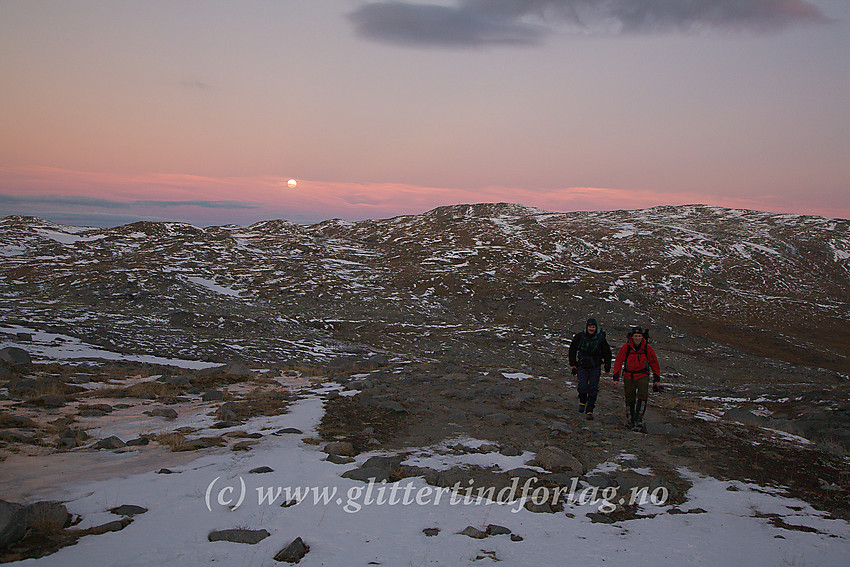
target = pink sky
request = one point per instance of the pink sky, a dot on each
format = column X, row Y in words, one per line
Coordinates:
column 175, row 110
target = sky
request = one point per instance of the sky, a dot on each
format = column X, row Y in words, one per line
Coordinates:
column 201, row 111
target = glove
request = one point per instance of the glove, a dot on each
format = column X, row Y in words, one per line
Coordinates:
column 616, row 377
column 574, row 370
column 656, row 383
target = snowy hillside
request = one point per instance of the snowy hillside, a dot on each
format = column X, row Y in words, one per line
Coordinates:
column 507, row 276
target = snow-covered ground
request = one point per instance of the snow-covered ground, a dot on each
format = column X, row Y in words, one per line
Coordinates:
column 346, row 523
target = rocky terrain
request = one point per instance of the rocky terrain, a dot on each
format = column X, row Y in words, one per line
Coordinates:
column 163, row 343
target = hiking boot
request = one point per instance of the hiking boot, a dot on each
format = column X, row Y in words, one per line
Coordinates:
column 590, row 416
column 581, row 407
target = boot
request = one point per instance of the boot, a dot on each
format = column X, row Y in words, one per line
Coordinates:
column 640, row 409
column 582, row 403
column 630, row 418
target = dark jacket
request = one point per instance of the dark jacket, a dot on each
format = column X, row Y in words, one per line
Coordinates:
column 601, row 356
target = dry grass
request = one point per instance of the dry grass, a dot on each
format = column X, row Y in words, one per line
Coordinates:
column 175, row 441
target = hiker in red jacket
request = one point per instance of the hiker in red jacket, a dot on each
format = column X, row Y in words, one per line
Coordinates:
column 636, row 360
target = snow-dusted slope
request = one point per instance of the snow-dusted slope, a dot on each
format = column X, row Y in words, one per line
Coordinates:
column 464, row 281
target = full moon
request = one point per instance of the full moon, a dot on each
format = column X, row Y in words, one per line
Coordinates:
column 292, row 184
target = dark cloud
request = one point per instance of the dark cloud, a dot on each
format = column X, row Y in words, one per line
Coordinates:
column 205, row 204
column 476, row 23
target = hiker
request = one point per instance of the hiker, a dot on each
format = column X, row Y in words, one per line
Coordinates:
column 589, row 351
column 637, row 360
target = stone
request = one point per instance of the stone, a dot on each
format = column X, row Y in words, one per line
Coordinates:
column 339, row 460
column 13, row 523
column 261, row 470
column 15, row 356
column 112, row 442
column 113, row 526
column 212, row 396
column 138, row 442
column 556, row 460
column 238, row 535
column 167, row 413
column 743, row 416
column 494, row 529
column 473, row 532
column 341, row 448
column 431, row 532
column 128, row 510
column 294, row 552
column 289, row 431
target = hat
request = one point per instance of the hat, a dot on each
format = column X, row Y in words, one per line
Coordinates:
column 590, row 322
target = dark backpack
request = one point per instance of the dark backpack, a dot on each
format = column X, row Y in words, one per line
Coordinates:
column 590, row 349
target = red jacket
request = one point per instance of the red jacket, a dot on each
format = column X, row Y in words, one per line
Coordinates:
column 636, row 363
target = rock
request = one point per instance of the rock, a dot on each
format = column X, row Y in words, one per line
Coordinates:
column 128, row 510
column 113, row 526
column 339, row 460
column 112, row 442
column 560, row 427
column 15, row 356
column 379, row 468
column 472, row 532
column 557, row 460
column 431, row 532
column 162, row 412
column 261, row 470
column 341, row 448
column 22, row 388
column 180, row 381
column 49, row 401
column 288, row 431
column 138, row 442
column 24, row 337
column 237, row 369
column 238, row 535
column 515, row 537
column 164, row 471
column 17, row 437
column 47, row 517
column 498, row 418
column 743, row 416
column 391, row 405
column 294, row 552
column 510, row 451
column 212, row 396
column 13, row 523
column 18, row 421
column 494, row 529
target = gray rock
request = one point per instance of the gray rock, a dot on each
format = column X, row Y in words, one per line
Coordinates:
column 494, row 529
column 15, row 356
column 555, row 459
column 112, row 442
column 47, row 517
column 237, row 369
column 261, row 470
column 289, row 430
column 13, row 523
column 113, row 526
column 212, row 395
column 19, row 421
column 431, row 532
column 237, row 535
column 392, row 405
column 498, row 418
column 22, row 388
column 128, row 510
column 339, row 460
column 162, row 412
column 294, row 552
column 743, row 416
column 138, row 442
column 472, row 532
column 341, row 448
column 181, row 381
column 560, row 427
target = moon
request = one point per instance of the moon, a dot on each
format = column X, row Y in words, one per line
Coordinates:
column 292, row 183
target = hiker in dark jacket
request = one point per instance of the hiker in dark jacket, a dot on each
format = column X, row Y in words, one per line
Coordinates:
column 636, row 360
column 589, row 352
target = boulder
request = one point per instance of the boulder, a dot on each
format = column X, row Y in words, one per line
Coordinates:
column 112, row 442
column 556, row 460
column 294, row 552
column 237, row 535
column 341, row 448
column 15, row 356
column 47, row 517
column 743, row 416
column 13, row 523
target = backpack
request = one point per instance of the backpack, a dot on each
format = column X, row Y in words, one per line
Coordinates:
column 590, row 349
